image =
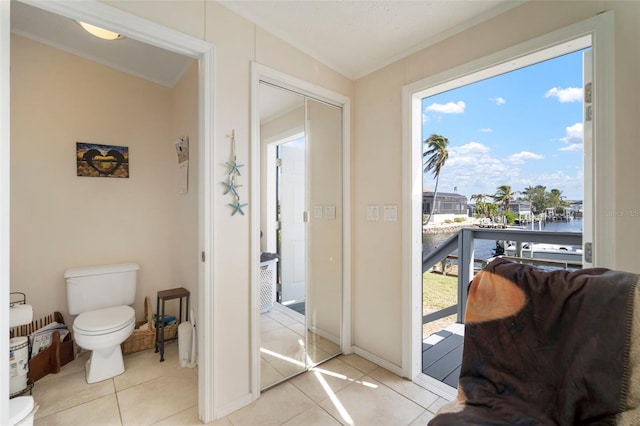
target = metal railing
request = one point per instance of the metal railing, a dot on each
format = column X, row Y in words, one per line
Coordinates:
column 463, row 242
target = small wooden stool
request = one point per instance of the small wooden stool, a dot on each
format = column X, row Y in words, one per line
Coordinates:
column 163, row 296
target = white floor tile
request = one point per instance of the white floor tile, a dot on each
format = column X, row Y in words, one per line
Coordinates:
column 99, row 412
column 326, row 379
column 368, row 402
column 275, row 407
column 346, row 389
column 405, row 387
column 67, row 391
column 314, row 416
column 159, row 398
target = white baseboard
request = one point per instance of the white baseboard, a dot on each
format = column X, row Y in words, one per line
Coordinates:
column 441, row 389
column 377, row 360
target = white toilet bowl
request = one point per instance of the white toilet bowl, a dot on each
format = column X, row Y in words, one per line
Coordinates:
column 102, row 331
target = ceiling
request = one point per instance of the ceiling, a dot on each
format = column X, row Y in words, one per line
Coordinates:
column 352, row 37
column 356, row 37
column 125, row 54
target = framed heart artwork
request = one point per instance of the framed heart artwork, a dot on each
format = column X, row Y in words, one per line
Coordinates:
column 102, row 160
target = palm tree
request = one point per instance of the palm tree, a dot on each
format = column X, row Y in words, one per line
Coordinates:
column 556, row 198
column 527, row 194
column 479, row 199
column 492, row 209
column 437, row 155
column 503, row 196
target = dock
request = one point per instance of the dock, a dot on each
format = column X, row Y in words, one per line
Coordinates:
column 442, row 354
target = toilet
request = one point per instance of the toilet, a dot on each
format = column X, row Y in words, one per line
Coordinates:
column 100, row 296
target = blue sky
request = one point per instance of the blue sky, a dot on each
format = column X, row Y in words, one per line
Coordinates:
column 523, row 128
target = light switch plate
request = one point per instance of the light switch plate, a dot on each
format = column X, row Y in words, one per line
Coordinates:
column 317, row 212
column 390, row 213
column 373, row 213
column 330, row 212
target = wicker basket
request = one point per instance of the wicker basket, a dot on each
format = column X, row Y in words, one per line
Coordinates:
column 143, row 339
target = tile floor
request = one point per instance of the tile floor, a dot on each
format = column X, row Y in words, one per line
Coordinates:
column 346, row 390
column 282, row 345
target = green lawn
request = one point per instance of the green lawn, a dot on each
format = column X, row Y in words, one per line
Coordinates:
column 438, row 291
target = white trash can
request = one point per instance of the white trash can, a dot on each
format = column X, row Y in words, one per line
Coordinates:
column 18, row 364
column 22, row 410
column 185, row 335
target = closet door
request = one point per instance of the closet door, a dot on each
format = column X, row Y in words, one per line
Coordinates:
column 283, row 352
column 324, row 257
column 301, row 144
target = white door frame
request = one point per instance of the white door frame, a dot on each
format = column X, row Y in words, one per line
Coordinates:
column 260, row 72
column 134, row 27
column 601, row 30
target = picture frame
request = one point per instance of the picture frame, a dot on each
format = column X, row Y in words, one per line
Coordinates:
column 95, row 160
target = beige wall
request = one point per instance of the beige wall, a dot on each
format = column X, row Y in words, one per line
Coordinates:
column 60, row 220
column 377, row 151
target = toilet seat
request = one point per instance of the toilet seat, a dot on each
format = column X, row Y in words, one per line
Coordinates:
column 104, row 321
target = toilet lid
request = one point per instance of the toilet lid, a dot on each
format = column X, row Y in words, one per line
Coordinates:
column 104, row 320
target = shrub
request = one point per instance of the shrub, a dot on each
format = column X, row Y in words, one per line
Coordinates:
column 511, row 217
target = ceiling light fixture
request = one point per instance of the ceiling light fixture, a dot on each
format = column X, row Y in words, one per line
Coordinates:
column 99, row 32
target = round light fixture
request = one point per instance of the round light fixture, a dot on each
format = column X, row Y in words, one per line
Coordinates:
column 99, row 32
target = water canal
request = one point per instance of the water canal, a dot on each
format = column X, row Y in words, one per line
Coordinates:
column 484, row 249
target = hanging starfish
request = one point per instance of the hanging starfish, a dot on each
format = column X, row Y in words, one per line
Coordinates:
column 234, row 168
column 231, row 187
column 237, row 207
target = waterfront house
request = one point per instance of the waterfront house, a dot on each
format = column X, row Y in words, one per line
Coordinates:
column 522, row 209
column 448, row 206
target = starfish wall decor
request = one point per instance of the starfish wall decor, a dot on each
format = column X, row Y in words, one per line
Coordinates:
column 231, row 186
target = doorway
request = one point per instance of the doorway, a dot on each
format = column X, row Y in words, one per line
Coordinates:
column 530, row 148
column 292, row 234
column 162, row 37
column 596, row 32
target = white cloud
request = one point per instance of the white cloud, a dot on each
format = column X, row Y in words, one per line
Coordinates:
column 571, row 186
column 425, row 118
column 486, row 130
column 498, row 101
column 474, row 170
column 520, row 157
column 448, row 108
column 470, row 167
column 572, row 147
column 574, row 133
column 570, row 94
column 524, row 155
column 472, row 148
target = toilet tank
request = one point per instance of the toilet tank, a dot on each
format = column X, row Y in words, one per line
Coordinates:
column 97, row 287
